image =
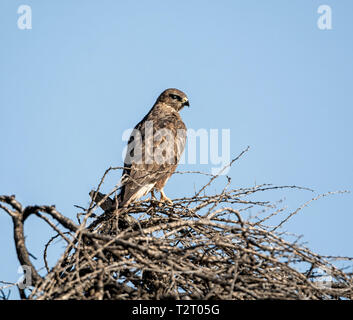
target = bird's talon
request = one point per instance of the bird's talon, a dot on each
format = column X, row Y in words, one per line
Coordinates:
column 165, row 199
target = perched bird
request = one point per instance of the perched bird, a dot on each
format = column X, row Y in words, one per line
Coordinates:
column 154, row 149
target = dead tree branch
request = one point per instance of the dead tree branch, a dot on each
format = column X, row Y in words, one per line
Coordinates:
column 201, row 247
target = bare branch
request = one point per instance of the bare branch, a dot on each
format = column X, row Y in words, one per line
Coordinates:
column 201, row 247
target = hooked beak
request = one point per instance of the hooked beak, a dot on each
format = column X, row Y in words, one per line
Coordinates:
column 186, row 102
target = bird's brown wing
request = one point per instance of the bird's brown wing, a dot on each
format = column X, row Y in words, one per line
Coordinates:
column 179, row 129
column 160, row 151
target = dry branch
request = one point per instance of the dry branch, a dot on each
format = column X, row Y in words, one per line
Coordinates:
column 201, row 247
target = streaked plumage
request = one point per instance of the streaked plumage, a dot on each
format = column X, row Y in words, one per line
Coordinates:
column 163, row 137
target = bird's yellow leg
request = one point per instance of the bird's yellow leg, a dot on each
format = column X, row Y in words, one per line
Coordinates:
column 164, row 198
column 153, row 197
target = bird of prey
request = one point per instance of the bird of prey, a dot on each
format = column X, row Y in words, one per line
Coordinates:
column 154, row 149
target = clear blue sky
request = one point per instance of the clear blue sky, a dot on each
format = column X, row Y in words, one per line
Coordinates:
column 88, row 70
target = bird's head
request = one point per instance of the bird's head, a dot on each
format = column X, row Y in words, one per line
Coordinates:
column 174, row 98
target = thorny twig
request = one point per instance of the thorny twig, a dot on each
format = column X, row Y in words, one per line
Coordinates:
column 201, row 247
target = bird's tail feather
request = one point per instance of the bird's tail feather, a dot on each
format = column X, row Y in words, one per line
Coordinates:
column 103, row 201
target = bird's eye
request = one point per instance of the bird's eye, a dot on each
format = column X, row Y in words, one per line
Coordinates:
column 175, row 97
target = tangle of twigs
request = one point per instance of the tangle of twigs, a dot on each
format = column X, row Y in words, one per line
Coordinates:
column 201, row 247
